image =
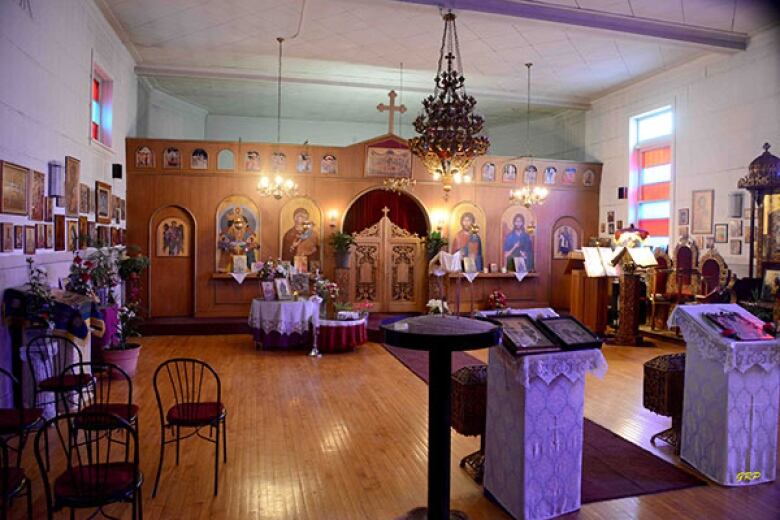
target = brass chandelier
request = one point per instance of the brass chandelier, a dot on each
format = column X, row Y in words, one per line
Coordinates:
column 449, row 139
column 277, row 187
column 529, row 196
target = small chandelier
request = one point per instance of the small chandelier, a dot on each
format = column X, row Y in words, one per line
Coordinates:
column 398, row 184
column 449, row 142
column 528, row 196
column 278, row 188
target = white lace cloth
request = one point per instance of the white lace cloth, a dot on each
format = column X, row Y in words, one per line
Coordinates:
column 284, row 317
column 731, row 354
column 343, row 323
column 730, row 403
column 534, row 431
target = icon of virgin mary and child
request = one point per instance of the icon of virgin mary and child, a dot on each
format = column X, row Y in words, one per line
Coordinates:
column 237, row 237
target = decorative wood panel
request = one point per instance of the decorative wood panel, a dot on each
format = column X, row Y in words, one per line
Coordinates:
column 201, row 191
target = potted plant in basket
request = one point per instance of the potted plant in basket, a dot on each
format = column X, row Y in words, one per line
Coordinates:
column 123, row 351
column 341, row 242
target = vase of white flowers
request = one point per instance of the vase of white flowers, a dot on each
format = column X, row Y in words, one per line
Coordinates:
column 437, row 307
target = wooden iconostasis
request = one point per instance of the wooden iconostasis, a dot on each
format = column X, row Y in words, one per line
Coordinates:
column 177, row 190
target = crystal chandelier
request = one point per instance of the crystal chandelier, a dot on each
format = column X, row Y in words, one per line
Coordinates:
column 279, row 186
column 449, row 142
column 528, row 196
column 398, row 184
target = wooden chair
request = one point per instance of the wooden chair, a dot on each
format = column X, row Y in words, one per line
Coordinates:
column 13, row 482
column 684, row 283
column 91, row 474
column 657, row 284
column 17, row 421
column 194, row 397
column 714, row 278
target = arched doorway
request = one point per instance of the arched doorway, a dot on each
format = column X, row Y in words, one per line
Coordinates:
column 172, row 251
column 567, row 235
column 388, row 265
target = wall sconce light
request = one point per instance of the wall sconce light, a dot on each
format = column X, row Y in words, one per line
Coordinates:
column 56, row 180
column 439, row 219
column 333, row 217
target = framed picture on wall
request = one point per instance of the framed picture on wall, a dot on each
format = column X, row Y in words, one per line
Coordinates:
column 49, row 236
column 83, row 198
column 14, row 181
column 48, row 210
column 7, row 232
column 102, row 202
column 72, row 235
column 37, row 195
column 72, row 177
column 40, row 236
column 702, row 211
column 18, row 237
column 721, row 233
column 83, row 232
column 59, row 232
column 29, row 240
column 735, row 228
column 735, row 247
column 683, row 217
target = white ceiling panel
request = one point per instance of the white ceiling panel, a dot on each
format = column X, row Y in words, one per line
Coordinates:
column 222, row 54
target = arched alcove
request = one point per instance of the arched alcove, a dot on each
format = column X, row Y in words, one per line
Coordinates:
column 404, row 210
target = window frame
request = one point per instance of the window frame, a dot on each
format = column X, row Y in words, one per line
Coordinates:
column 106, row 95
column 637, row 148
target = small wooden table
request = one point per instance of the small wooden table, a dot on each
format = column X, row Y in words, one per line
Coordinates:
column 440, row 336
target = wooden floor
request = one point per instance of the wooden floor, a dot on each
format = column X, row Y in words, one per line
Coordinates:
column 344, row 437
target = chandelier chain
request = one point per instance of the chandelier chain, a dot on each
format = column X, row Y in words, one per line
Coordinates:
column 279, row 95
column 528, row 113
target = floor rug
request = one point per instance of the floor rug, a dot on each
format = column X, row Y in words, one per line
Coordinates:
column 612, row 467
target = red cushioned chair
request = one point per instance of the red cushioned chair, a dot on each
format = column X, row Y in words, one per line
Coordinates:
column 193, row 400
column 89, row 473
column 13, row 483
column 47, row 356
column 657, row 283
column 17, row 421
column 714, row 278
column 110, row 391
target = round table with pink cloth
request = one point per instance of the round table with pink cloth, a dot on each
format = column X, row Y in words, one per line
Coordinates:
column 341, row 335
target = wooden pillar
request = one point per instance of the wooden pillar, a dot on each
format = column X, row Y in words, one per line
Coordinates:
column 628, row 327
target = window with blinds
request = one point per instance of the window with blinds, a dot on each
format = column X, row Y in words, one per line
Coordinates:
column 653, row 202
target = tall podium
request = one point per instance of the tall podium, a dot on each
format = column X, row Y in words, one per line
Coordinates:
column 589, row 291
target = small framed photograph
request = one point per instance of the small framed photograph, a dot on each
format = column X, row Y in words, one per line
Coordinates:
column 102, row 202
column 18, row 237
column 269, row 294
column 611, row 228
column 735, row 228
column 469, row 265
column 300, row 284
column 721, row 233
column 283, row 290
column 611, row 217
column 29, row 240
column 735, row 247
column 8, row 236
column 620, row 224
column 239, row 264
column 683, row 216
column 521, row 335
column 682, row 231
column 709, row 242
column 40, row 236
column 569, row 333
column 49, row 236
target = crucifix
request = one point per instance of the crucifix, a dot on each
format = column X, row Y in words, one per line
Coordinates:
column 392, row 108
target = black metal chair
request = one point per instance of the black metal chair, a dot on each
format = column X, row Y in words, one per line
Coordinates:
column 47, row 356
column 13, row 483
column 194, row 400
column 91, row 474
column 17, row 421
column 109, row 391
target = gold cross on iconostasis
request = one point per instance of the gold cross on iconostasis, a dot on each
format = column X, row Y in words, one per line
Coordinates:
column 392, row 108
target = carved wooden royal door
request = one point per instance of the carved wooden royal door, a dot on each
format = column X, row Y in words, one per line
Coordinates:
column 388, row 268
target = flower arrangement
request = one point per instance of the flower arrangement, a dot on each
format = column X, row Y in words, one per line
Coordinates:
column 40, row 303
column 437, row 307
column 273, row 269
column 497, row 300
column 127, row 327
column 79, row 276
column 104, row 273
column 364, row 307
column 327, row 290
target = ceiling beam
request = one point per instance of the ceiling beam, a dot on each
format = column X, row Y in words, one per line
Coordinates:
column 228, row 74
column 712, row 38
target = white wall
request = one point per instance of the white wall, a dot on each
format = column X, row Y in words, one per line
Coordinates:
column 263, row 129
column 726, row 107
column 162, row 116
column 46, row 62
column 560, row 136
